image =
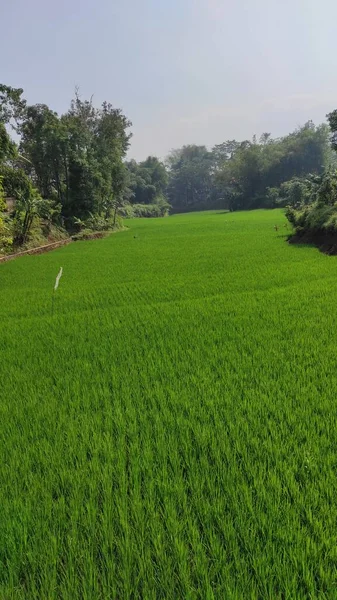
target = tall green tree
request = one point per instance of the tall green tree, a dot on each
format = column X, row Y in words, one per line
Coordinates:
column 12, row 105
column 254, row 168
column 76, row 158
column 111, row 143
column 44, row 147
column 147, row 180
column 190, row 178
column 8, row 150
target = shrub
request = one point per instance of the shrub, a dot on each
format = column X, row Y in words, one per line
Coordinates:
column 6, row 238
column 314, row 203
column 160, row 208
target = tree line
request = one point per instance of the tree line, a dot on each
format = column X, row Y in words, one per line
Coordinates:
column 232, row 175
column 71, row 171
column 245, row 175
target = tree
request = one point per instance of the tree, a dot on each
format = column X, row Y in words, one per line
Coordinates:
column 111, row 144
column 157, row 172
column 77, row 158
column 7, row 147
column 12, row 106
column 295, row 192
column 147, row 180
column 332, row 120
column 43, row 145
column 241, row 176
column 223, row 152
column 190, row 178
column 256, row 168
column 74, row 161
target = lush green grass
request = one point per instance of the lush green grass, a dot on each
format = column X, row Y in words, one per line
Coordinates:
column 170, row 432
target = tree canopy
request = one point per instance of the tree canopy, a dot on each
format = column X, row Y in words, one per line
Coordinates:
column 76, row 158
column 147, row 180
column 237, row 175
column 75, row 161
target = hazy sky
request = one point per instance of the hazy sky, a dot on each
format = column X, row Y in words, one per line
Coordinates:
column 184, row 71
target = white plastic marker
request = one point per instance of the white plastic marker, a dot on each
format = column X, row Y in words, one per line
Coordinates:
column 59, row 275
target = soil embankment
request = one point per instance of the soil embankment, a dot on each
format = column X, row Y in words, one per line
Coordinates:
column 325, row 241
column 48, row 247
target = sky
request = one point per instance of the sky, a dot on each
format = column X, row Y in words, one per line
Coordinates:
column 183, row 71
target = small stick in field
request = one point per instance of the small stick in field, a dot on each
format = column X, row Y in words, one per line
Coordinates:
column 57, row 281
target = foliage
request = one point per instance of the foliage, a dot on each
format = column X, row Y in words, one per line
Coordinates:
column 89, row 234
column 15, row 181
column 160, row 208
column 190, row 177
column 69, row 166
column 76, row 162
column 12, row 105
column 94, row 222
column 170, row 431
column 2, row 208
column 6, row 239
column 147, row 180
column 2, row 195
column 7, row 146
column 43, row 144
column 77, row 158
column 244, row 175
column 332, row 120
column 28, row 204
column 27, row 207
column 296, row 192
column 255, row 169
column 316, row 209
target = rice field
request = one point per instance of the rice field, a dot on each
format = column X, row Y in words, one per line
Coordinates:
column 168, row 421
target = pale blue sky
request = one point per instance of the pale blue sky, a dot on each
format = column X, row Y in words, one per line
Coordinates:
column 184, row 71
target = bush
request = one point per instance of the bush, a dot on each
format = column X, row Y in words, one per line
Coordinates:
column 160, row 208
column 314, row 207
column 126, row 211
column 88, row 234
column 6, row 238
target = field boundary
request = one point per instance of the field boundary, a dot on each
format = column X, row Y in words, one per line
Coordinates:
column 326, row 242
column 38, row 250
column 95, row 235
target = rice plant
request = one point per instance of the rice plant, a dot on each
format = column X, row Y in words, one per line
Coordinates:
column 170, row 432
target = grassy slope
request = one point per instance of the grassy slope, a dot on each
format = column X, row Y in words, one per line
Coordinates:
column 171, row 431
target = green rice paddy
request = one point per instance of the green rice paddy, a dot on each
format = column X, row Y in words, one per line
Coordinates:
column 169, row 431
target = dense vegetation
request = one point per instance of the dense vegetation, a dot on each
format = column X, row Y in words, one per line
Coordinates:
column 146, row 188
column 244, row 175
column 69, row 172
column 169, row 431
column 232, row 175
column 312, row 202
